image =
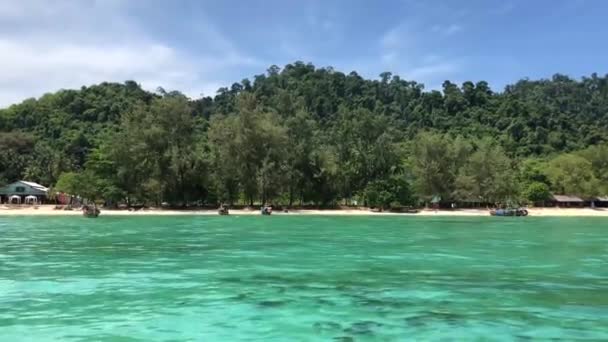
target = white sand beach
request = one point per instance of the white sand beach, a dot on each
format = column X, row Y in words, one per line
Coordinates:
column 49, row 210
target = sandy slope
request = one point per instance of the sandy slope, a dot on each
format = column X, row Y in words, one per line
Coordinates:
column 49, row 210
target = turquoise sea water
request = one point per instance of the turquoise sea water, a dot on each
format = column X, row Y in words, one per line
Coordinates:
column 303, row 278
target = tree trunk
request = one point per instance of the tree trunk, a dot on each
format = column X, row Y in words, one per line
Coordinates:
column 290, row 195
column 182, row 186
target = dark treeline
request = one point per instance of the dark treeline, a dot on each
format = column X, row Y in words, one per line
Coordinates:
column 306, row 135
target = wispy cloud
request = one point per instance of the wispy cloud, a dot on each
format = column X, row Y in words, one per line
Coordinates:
column 431, row 71
column 317, row 21
column 452, row 29
column 446, row 30
column 70, row 44
column 504, row 8
column 319, row 16
column 389, row 57
column 414, row 47
column 405, row 50
column 398, row 37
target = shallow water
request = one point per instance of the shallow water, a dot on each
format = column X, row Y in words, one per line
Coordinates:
column 303, row 278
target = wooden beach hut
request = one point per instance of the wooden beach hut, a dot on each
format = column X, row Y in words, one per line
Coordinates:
column 567, row 201
column 601, row 202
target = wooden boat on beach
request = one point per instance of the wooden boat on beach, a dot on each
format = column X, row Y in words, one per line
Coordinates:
column 266, row 210
column 90, row 211
column 223, row 210
column 509, row 212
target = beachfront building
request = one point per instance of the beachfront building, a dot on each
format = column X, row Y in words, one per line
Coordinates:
column 601, row 202
column 23, row 192
column 567, row 201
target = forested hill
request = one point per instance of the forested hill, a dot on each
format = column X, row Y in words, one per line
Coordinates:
column 313, row 135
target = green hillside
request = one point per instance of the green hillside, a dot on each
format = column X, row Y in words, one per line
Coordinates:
column 307, row 135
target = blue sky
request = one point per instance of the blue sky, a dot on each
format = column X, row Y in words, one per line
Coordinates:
column 198, row 46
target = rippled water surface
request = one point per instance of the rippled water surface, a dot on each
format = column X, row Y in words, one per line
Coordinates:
column 303, row 278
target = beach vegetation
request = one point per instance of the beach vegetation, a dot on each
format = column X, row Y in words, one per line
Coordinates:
column 303, row 135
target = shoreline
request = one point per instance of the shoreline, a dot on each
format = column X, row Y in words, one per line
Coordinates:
column 48, row 210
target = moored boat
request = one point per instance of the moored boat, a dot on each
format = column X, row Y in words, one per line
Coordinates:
column 509, row 212
column 90, row 211
column 223, row 210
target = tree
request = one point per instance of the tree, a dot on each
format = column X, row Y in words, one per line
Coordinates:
column 313, row 135
column 301, row 144
column 533, row 171
column 573, row 175
column 391, row 192
column 271, row 167
column 537, row 192
column 223, row 156
column 325, row 168
column 487, row 175
column 68, row 182
column 15, row 155
column 258, row 142
column 367, row 149
column 155, row 155
column 84, row 184
column 435, row 161
column 598, row 157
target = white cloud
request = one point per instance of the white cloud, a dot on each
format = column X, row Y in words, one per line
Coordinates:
column 392, row 38
column 432, row 71
column 389, row 57
column 31, row 69
column 404, row 49
column 505, row 8
column 431, row 58
column 319, row 16
column 327, row 24
column 429, row 69
column 70, row 44
column 452, row 29
column 447, row 30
